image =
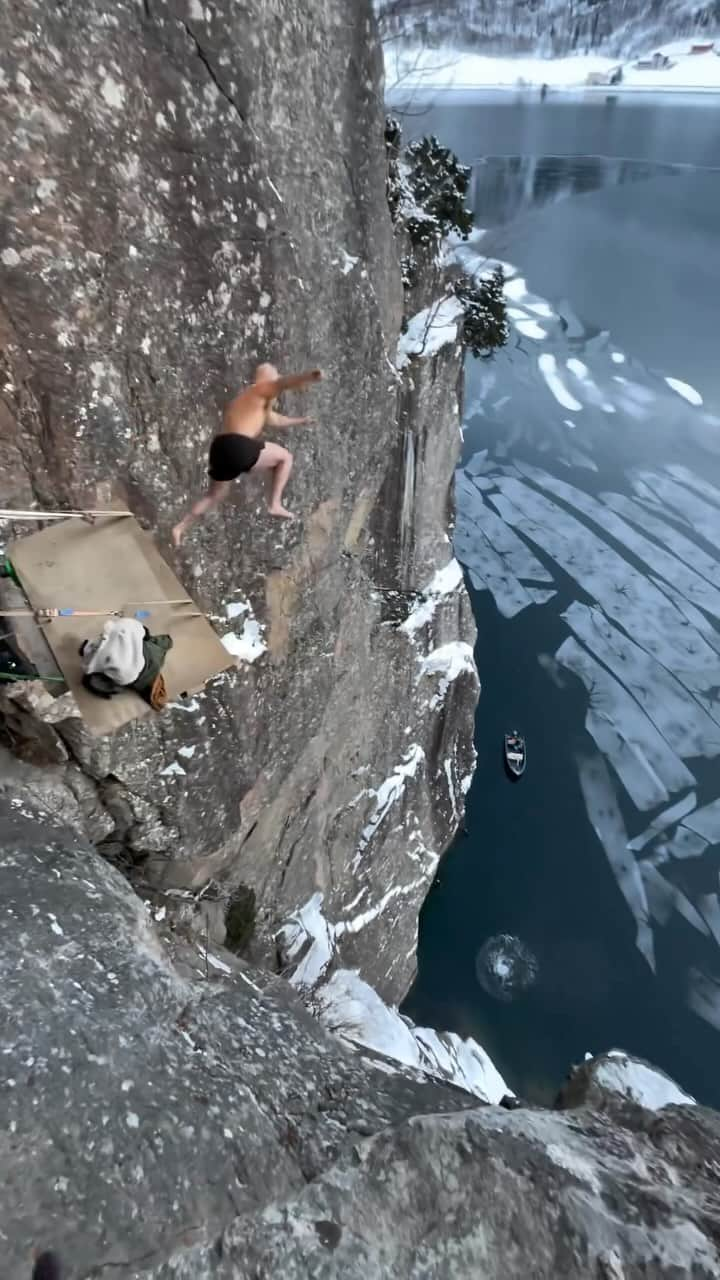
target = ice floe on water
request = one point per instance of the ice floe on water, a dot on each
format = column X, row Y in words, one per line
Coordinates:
column 619, row 588
column 646, row 764
column 667, row 566
column 642, row 634
column 685, row 390
column 684, row 724
column 704, row 996
column 516, row 289
column 646, row 648
column 695, row 482
column 681, row 546
column 496, row 557
column 547, row 364
column 605, row 816
column 706, row 822
column 664, row 898
column 699, row 514
column 666, row 819
column 531, row 329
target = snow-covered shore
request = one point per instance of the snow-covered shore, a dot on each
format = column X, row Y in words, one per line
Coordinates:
column 428, row 70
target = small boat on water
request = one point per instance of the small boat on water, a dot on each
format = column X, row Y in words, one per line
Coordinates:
column 515, row 753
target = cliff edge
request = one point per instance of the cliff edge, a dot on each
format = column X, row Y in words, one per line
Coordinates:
column 190, row 189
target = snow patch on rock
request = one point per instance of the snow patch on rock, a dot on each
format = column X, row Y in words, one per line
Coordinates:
column 249, row 645
column 429, row 331
column 448, row 662
column 352, row 1009
column 639, row 1082
column 444, row 583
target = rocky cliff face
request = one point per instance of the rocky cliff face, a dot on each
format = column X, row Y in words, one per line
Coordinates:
column 190, row 188
column 169, row 1112
column 549, row 27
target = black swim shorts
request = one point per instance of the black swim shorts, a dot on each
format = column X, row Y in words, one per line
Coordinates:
column 231, row 454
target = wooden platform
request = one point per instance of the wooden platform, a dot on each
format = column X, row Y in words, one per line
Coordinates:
column 113, row 564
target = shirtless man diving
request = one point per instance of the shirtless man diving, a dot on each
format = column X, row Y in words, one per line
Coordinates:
column 238, row 447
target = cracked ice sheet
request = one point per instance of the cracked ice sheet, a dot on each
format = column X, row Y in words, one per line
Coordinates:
column 510, row 596
column 680, row 545
column 478, row 463
column 706, row 822
column 474, row 513
column 691, row 481
column 647, row 766
column 547, row 364
column 693, row 615
column 606, row 818
column 622, row 591
column 665, row 565
column 703, row 996
column 664, row 820
column 351, row 1008
column 683, row 723
column 684, row 844
column 709, row 908
column 664, row 898
column 429, row 331
column 699, row 514
column 495, row 556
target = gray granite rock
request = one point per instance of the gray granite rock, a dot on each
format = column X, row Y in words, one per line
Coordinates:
column 190, row 188
column 490, row 1194
column 176, row 1115
column 151, row 1094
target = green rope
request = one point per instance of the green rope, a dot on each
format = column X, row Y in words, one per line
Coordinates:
column 9, row 572
column 7, row 676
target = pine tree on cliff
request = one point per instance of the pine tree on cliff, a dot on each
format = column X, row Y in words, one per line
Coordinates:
column 427, row 188
column 485, row 326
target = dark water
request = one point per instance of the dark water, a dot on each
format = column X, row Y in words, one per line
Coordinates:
column 610, row 214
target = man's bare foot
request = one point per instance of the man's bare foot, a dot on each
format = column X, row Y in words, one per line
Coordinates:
column 277, row 509
column 178, row 534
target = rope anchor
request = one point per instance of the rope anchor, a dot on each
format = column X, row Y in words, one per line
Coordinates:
column 7, row 513
column 44, row 615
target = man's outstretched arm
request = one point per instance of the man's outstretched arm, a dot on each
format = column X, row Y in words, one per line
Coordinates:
column 274, row 387
column 280, row 420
